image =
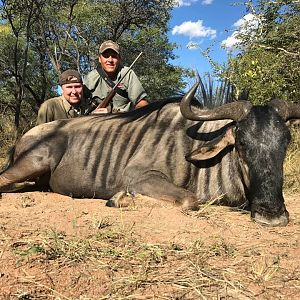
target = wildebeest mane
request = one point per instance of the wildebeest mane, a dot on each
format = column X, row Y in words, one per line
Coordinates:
column 148, row 109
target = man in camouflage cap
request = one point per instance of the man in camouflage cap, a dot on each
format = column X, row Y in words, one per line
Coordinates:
column 130, row 93
column 69, row 105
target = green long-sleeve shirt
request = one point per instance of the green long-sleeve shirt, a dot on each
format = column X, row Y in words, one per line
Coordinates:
column 58, row 108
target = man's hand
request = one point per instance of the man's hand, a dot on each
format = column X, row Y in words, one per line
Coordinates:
column 141, row 103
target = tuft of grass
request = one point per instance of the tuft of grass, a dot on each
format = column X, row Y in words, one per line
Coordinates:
column 263, row 271
column 222, row 249
column 204, row 207
column 57, row 246
column 102, row 223
column 26, row 201
column 27, row 248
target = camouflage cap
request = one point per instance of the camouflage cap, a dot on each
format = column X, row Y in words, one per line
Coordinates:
column 70, row 76
column 109, row 45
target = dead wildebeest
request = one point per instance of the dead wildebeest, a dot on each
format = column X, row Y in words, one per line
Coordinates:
column 168, row 150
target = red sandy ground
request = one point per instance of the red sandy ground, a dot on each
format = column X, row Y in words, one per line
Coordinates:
column 265, row 261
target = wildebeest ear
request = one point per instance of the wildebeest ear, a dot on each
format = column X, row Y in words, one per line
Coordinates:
column 214, row 147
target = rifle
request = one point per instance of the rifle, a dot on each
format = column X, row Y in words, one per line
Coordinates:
column 112, row 93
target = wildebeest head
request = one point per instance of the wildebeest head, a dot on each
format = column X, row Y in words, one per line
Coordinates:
column 261, row 137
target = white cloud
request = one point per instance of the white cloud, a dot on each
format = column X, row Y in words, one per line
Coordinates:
column 207, row 2
column 179, row 3
column 231, row 42
column 249, row 21
column 244, row 25
column 194, row 29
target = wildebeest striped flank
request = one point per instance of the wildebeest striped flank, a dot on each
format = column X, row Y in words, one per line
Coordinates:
column 168, row 150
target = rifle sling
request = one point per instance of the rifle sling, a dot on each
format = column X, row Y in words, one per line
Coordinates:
column 110, row 83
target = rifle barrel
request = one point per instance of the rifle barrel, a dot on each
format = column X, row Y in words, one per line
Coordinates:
column 129, row 68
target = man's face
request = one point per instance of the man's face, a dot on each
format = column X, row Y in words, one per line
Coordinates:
column 109, row 61
column 72, row 92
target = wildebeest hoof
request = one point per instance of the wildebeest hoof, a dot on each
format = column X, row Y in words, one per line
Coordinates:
column 189, row 204
column 120, row 199
column 282, row 220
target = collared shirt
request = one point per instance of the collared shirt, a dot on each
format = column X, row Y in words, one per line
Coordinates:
column 58, row 108
column 97, row 87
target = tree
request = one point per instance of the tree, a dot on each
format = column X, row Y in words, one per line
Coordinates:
column 268, row 64
column 20, row 17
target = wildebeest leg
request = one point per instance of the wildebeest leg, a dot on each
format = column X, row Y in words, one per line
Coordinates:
column 156, row 185
column 7, row 185
column 22, row 173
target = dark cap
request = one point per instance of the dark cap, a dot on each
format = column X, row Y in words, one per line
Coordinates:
column 109, row 45
column 70, row 76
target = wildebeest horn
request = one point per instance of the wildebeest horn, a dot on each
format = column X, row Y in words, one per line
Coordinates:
column 235, row 111
column 286, row 110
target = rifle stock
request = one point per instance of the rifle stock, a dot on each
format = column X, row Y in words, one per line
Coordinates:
column 107, row 99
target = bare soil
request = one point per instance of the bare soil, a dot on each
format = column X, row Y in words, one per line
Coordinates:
column 56, row 247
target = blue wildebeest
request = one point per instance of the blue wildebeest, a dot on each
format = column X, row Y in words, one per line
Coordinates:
column 169, row 151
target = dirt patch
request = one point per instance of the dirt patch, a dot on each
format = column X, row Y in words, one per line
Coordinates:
column 55, row 247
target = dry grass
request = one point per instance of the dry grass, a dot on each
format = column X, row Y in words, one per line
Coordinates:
column 126, row 267
column 292, row 164
column 133, row 269
column 7, row 137
column 9, row 134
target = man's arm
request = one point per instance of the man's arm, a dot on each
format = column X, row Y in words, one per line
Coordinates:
column 44, row 115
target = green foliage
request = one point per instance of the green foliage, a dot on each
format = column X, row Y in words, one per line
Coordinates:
column 262, row 74
column 268, row 64
column 162, row 82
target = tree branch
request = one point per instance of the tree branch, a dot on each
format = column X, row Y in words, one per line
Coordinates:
column 280, row 49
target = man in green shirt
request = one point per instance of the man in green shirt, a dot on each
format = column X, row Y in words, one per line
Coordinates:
column 130, row 93
column 69, row 105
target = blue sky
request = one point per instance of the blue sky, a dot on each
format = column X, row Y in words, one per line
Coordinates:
column 198, row 24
